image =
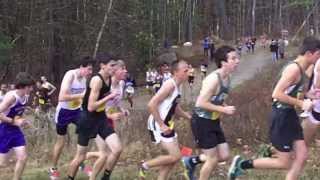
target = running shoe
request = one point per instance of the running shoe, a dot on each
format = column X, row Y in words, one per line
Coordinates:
column 86, row 169
column 189, row 168
column 142, row 173
column 53, row 173
column 235, row 170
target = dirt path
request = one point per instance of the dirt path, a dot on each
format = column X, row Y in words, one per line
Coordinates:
column 249, row 65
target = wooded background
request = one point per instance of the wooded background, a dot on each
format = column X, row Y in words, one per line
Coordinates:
column 46, row 37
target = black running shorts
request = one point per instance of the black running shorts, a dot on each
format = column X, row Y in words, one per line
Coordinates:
column 207, row 133
column 90, row 126
column 285, row 128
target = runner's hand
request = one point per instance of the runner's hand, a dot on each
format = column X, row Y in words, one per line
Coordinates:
column 21, row 122
column 125, row 112
column 229, row 110
column 118, row 115
column 165, row 129
column 112, row 95
column 307, row 105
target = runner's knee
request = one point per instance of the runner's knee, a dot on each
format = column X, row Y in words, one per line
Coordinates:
column 3, row 164
column 176, row 158
column 117, row 150
column 302, row 156
column 22, row 157
column 284, row 163
column 224, row 156
column 103, row 154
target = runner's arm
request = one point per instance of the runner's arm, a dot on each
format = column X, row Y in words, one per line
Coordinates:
column 7, row 102
column 155, row 101
column 313, row 93
column 180, row 112
column 52, row 87
column 93, row 102
column 64, row 94
column 207, row 91
column 288, row 78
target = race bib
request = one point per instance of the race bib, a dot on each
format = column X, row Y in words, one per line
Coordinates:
column 75, row 103
column 157, row 85
column 215, row 115
column 171, row 124
column 112, row 110
column 101, row 108
column 41, row 101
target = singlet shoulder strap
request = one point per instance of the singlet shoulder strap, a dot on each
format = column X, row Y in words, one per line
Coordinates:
column 103, row 82
column 221, row 81
column 22, row 100
column 174, row 83
column 109, row 80
column 300, row 68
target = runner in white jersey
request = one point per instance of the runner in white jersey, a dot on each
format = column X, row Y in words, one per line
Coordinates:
column 148, row 79
column 72, row 90
column 311, row 124
column 114, row 112
column 3, row 91
column 163, row 106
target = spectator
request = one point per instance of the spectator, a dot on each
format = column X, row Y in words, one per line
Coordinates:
column 239, row 47
column 3, row 91
column 211, row 47
column 248, row 45
column 253, row 44
column 281, row 48
column 274, row 50
column 206, row 46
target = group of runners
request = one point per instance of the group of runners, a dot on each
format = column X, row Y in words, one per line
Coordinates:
column 93, row 105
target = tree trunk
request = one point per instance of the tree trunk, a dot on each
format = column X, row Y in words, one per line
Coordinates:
column 103, row 25
column 304, row 23
column 189, row 21
column 151, row 27
column 223, row 21
column 51, row 44
column 280, row 16
column 316, row 17
column 84, row 10
column 253, row 25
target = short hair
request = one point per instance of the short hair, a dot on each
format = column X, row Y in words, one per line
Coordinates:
column 86, row 61
column 164, row 63
column 23, row 79
column 120, row 63
column 104, row 58
column 221, row 54
column 175, row 65
column 311, row 44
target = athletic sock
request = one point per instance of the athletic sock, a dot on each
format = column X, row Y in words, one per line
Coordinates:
column 247, row 164
column 145, row 166
column 106, row 175
column 70, row 178
column 194, row 160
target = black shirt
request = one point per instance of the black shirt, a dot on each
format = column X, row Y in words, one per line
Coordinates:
column 104, row 91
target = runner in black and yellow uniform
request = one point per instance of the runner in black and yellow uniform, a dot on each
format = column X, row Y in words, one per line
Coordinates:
column 205, row 122
column 115, row 112
column 92, row 120
column 285, row 130
column 42, row 97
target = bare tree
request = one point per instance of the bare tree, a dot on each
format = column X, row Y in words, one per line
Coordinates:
column 103, row 25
